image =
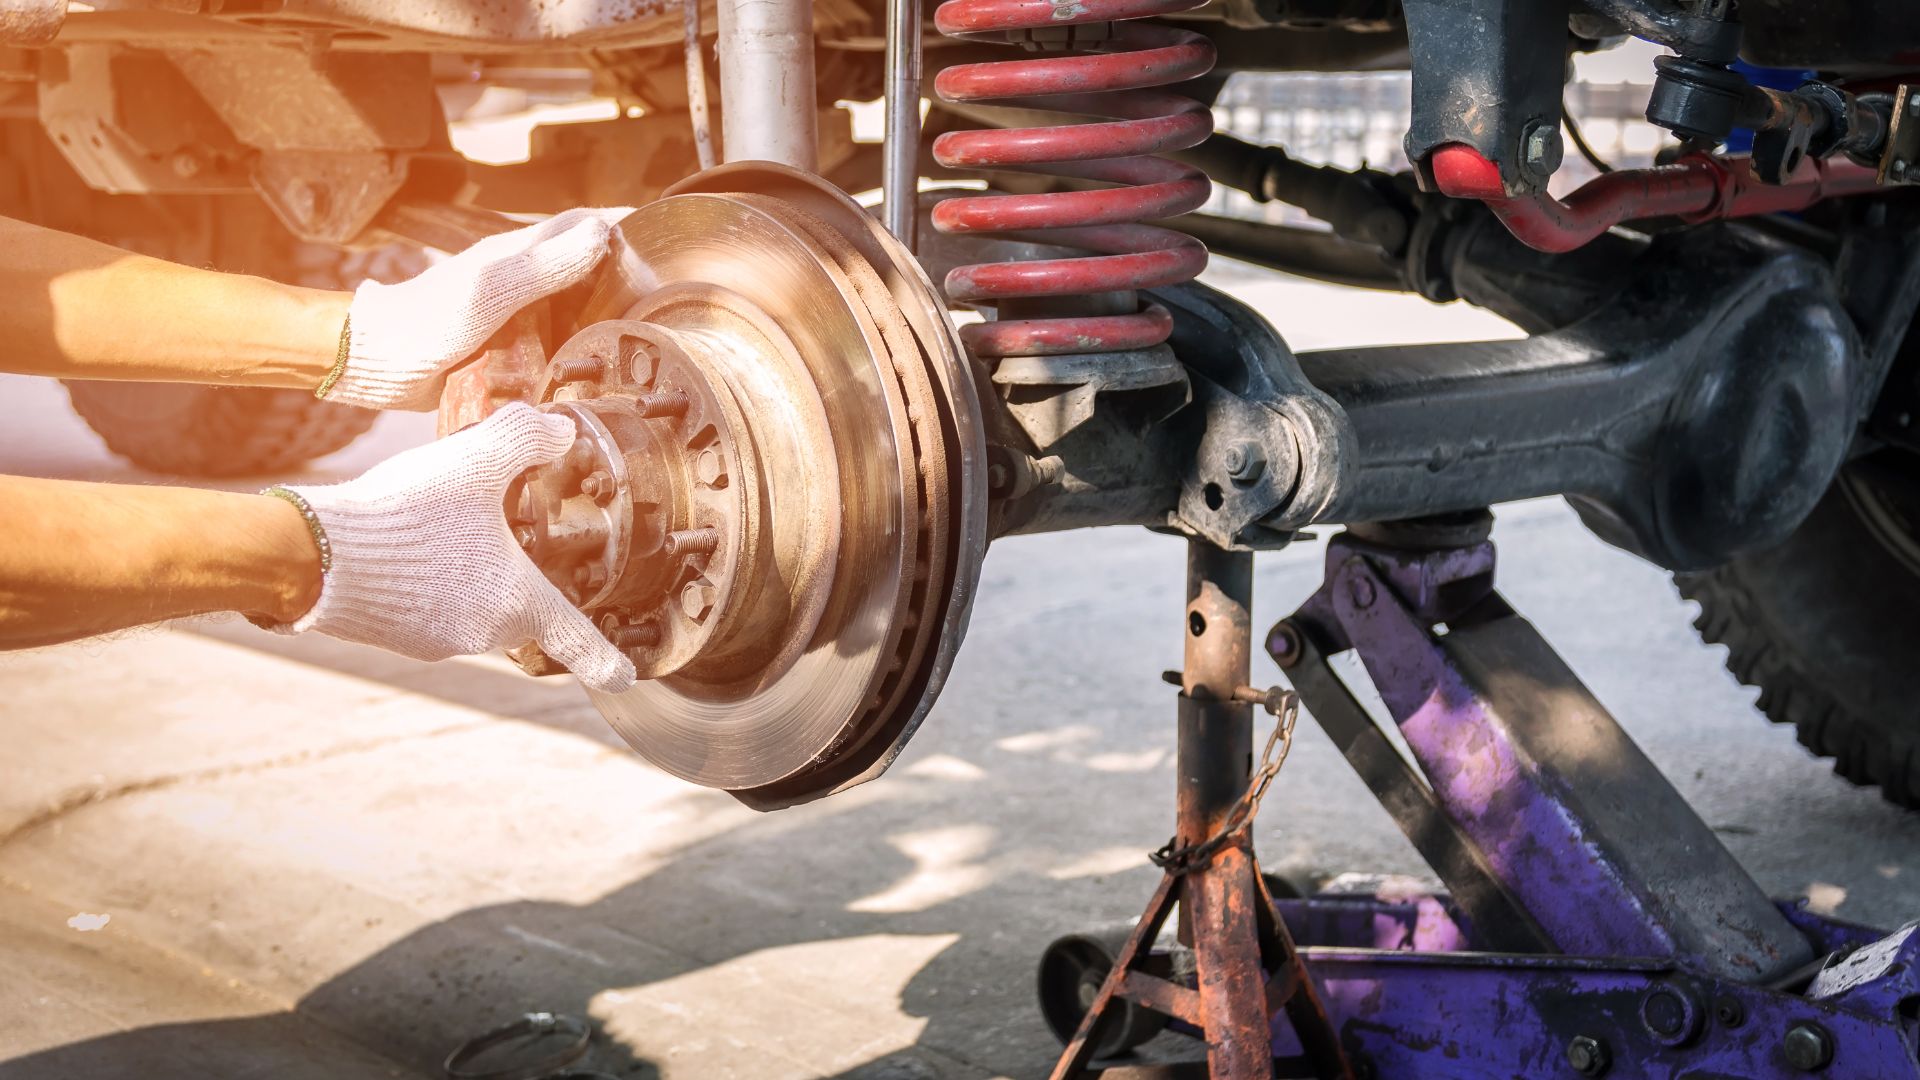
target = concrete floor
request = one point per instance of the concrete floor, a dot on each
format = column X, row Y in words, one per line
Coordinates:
column 318, row 860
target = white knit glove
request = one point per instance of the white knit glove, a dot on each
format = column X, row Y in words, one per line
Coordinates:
column 423, row 563
column 403, row 337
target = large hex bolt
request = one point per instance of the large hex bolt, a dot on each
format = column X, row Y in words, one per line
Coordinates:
column 1245, row 461
column 1807, row 1046
column 697, row 598
column 710, row 469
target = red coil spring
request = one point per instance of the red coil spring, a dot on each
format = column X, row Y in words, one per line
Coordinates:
column 1111, row 79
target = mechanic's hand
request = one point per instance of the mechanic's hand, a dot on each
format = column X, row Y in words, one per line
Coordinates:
column 403, row 337
column 423, row 563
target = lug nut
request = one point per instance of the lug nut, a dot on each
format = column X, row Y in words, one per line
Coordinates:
column 599, row 487
column 691, row 541
column 697, row 598
column 710, row 468
column 1588, row 1056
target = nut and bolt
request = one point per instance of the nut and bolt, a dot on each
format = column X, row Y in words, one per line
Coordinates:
column 697, row 598
column 661, row 403
column 691, row 541
column 599, row 487
column 186, row 163
column 1808, row 1047
column 1589, row 1056
column 1244, row 461
column 1728, row 1011
column 523, row 535
column 589, row 577
column 710, row 469
column 1913, row 106
column 1898, row 169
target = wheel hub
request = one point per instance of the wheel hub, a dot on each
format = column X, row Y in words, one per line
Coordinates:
column 775, row 505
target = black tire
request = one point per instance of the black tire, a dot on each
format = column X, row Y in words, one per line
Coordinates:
column 1825, row 625
column 216, row 432
column 213, row 431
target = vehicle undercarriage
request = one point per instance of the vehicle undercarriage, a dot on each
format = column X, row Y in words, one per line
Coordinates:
column 793, row 455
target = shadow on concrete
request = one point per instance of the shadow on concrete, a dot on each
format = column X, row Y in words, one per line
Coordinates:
column 740, row 898
column 967, row 864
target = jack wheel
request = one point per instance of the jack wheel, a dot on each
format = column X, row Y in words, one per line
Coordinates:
column 1071, row 973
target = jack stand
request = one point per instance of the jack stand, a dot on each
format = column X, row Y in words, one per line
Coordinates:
column 1247, row 969
column 1593, row 925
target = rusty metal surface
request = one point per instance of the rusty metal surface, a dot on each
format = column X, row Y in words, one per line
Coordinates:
column 823, row 417
column 952, row 458
column 1247, row 968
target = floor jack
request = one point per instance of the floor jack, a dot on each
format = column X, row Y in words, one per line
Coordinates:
column 1592, row 925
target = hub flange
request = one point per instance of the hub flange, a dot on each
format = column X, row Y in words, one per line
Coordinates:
column 776, row 505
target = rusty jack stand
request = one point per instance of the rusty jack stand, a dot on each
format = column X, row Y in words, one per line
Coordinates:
column 1248, row 969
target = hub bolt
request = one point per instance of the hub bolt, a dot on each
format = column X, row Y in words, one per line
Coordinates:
column 661, row 403
column 697, row 598
column 1808, row 1047
column 578, row 369
column 1589, row 1056
column 691, row 541
column 638, row 636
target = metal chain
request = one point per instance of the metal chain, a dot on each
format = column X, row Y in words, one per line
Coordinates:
column 1176, row 858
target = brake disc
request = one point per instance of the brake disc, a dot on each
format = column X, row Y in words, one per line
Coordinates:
column 776, row 505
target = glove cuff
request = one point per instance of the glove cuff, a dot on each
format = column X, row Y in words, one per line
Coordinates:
column 375, row 377
column 374, row 582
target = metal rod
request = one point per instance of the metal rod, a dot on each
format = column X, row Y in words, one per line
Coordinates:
column 1215, row 757
column 767, row 82
column 900, row 175
column 697, row 110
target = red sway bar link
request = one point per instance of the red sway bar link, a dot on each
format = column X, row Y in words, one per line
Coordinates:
column 1695, row 189
column 1112, row 78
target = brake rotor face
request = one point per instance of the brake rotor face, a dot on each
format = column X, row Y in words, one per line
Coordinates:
column 834, row 408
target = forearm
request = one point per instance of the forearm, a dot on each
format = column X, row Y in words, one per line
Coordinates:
column 80, row 559
column 73, row 308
